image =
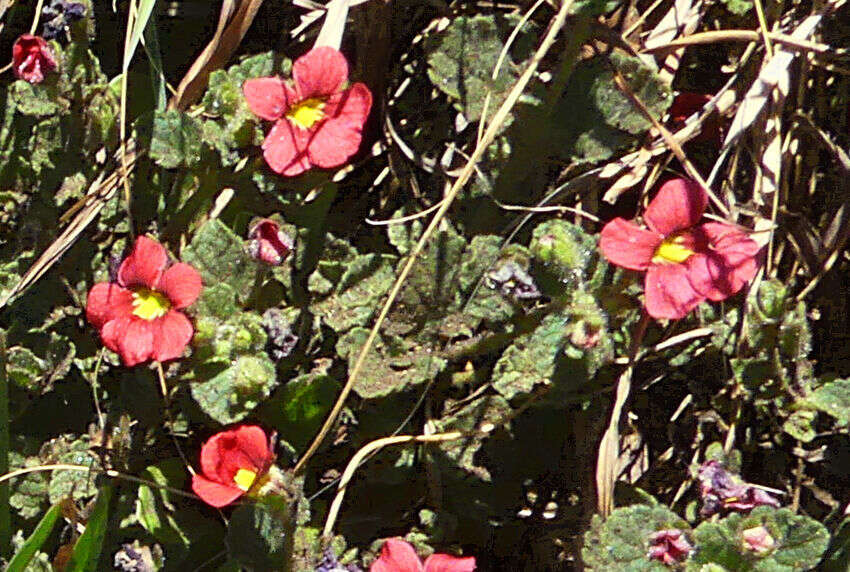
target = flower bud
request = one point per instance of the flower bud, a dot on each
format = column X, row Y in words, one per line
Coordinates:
column 268, row 243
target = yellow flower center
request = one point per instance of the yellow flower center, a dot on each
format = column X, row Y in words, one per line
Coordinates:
column 244, row 478
column 307, row 113
column 671, row 251
column 149, row 305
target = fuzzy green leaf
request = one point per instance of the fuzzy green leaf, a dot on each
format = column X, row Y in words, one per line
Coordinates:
column 230, row 394
column 219, row 256
column 176, row 139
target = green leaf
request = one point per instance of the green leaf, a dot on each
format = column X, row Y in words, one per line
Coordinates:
column 462, row 60
column 484, row 414
column 832, row 398
column 75, row 484
column 154, row 508
column 565, row 256
column 392, row 365
column 176, row 139
column 621, row 541
column 90, row 544
column 233, row 392
column 738, row 7
column 36, row 100
column 799, row 541
column 607, row 122
column 299, row 408
column 219, row 256
column 29, row 492
column 356, row 297
column 260, row 537
column 36, row 540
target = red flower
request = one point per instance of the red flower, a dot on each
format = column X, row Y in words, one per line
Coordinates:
column 32, row 57
column 138, row 316
column 231, row 462
column 399, row 556
column 685, row 262
column 317, row 122
column 669, row 546
column 268, row 243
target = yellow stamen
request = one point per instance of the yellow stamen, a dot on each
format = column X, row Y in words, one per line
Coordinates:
column 150, row 305
column 671, row 251
column 244, row 478
column 307, row 113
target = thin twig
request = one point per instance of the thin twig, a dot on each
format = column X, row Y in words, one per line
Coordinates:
column 368, row 449
column 494, row 127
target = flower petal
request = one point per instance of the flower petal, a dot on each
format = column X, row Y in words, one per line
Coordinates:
column 113, row 330
column 171, row 334
column 731, row 262
column 285, row 149
column 338, row 137
column 447, row 563
column 625, row 244
column 679, row 204
column 107, row 301
column 669, row 294
column 134, row 339
column 145, row 264
column 246, row 447
column 397, row 556
column 254, row 442
column 320, row 72
column 182, row 285
column 213, row 493
column 266, row 97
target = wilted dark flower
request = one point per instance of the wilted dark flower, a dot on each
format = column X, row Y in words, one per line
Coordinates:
column 669, row 546
column 721, row 490
column 281, row 340
column 135, row 558
column 60, row 14
column 512, row 280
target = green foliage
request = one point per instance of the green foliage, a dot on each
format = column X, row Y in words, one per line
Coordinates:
column 607, row 121
column 229, row 394
column 259, row 537
column 833, row 398
column 176, row 139
column 621, row 541
column 738, row 7
column 800, row 541
column 463, row 58
column 394, row 364
column 27, row 550
column 89, row 545
column 219, row 256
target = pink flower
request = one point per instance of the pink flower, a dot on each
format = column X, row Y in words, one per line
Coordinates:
column 399, row 556
column 685, row 262
column 32, row 57
column 268, row 243
column 758, row 540
column 722, row 490
column 669, row 546
column 231, row 463
column 138, row 316
column 317, row 122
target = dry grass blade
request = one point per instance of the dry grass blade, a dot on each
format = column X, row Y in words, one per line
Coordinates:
column 774, row 73
column 334, row 26
column 681, row 20
column 609, row 449
column 490, row 134
column 99, row 193
column 231, row 28
column 220, row 49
